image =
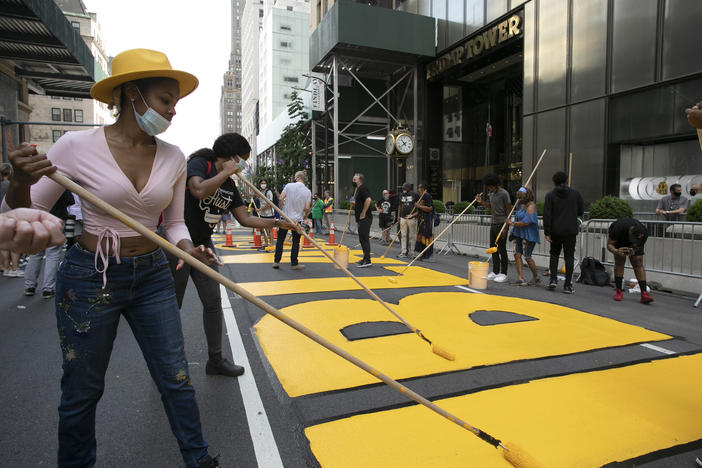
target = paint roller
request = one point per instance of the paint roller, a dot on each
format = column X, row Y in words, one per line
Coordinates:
column 511, row 453
column 394, row 279
column 493, row 249
column 435, row 348
column 398, row 231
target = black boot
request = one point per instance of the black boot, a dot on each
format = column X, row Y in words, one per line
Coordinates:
column 223, row 367
column 209, row 462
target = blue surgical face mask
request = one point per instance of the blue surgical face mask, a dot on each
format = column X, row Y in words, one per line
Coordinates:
column 242, row 165
column 152, row 123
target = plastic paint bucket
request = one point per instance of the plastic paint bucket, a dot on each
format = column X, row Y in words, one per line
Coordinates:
column 477, row 274
column 341, row 255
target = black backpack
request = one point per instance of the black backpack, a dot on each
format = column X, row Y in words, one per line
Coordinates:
column 593, row 272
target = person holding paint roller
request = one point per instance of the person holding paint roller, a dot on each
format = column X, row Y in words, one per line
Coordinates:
column 425, row 225
column 526, row 234
column 499, row 204
column 364, row 218
column 114, row 270
column 562, row 208
column 210, row 192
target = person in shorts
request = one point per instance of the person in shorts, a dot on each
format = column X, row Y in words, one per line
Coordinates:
column 526, row 234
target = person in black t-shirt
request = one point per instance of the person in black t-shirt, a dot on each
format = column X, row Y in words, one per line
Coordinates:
column 364, row 218
column 627, row 237
column 209, row 193
column 384, row 207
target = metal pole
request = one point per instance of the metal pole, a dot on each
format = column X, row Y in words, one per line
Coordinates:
column 415, row 179
column 4, row 143
column 487, row 143
column 326, row 144
column 314, row 186
column 335, row 128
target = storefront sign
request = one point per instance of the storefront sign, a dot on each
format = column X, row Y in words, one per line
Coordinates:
column 318, row 95
column 477, row 45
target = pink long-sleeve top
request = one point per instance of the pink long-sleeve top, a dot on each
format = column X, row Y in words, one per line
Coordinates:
column 85, row 158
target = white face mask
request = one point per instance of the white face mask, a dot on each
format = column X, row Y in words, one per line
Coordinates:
column 242, row 166
column 152, row 123
column 263, row 186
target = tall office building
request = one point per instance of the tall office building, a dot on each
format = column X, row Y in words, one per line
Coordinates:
column 251, row 25
column 230, row 111
column 284, row 56
column 67, row 109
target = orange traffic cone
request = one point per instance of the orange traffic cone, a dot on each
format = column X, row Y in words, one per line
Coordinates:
column 307, row 244
column 257, row 239
column 331, row 240
column 228, row 240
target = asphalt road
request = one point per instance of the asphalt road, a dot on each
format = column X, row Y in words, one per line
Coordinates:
column 131, row 425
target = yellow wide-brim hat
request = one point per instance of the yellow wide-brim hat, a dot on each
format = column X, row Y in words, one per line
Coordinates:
column 136, row 64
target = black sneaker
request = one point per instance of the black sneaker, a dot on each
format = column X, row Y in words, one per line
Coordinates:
column 223, row 367
column 47, row 293
column 568, row 289
column 276, row 265
column 29, row 292
column 552, row 285
column 209, row 462
column 363, row 264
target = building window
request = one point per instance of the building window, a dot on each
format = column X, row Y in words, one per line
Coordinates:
column 66, row 98
column 56, row 134
column 78, row 115
column 285, row 27
column 76, row 26
column 67, row 115
column 290, row 79
column 55, row 114
column 55, row 97
column 77, row 99
column 260, row 13
column 290, row 8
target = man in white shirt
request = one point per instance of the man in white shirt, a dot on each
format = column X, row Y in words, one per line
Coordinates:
column 295, row 201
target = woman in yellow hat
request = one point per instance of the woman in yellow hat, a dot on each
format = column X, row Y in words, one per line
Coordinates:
column 112, row 270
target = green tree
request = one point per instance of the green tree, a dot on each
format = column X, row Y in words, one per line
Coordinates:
column 694, row 213
column 292, row 149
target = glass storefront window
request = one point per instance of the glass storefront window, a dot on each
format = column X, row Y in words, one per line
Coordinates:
column 552, row 50
column 680, row 34
column 589, row 59
column 633, row 43
column 495, row 9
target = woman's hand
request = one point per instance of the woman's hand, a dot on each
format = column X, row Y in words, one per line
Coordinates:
column 283, row 224
column 694, row 116
column 202, row 253
column 28, row 165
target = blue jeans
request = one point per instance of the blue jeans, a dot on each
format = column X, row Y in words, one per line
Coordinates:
column 87, row 316
column 317, row 225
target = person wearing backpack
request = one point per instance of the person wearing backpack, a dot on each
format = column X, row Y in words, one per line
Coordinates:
column 627, row 237
column 562, row 208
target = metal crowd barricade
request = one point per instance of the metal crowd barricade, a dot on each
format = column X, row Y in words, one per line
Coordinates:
column 672, row 247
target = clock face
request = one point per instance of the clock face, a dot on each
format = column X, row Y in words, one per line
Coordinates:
column 405, row 143
column 389, row 144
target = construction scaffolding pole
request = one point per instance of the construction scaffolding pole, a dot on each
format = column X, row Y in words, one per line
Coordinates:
column 335, row 128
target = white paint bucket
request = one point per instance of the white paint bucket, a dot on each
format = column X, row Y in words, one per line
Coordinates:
column 341, row 255
column 477, row 274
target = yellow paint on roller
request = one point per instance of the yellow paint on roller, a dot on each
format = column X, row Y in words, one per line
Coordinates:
column 442, row 316
column 414, row 277
column 309, row 256
column 579, row 420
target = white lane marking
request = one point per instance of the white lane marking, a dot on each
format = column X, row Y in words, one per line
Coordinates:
column 658, row 348
column 470, row 290
column 266, row 450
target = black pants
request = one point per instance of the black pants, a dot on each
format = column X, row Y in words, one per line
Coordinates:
column 208, row 291
column 282, row 233
column 499, row 258
column 568, row 245
column 364, row 226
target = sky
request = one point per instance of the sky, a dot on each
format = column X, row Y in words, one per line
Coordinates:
column 196, row 37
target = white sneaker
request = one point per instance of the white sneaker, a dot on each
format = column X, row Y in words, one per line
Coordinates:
column 491, row 276
column 501, row 278
column 699, row 461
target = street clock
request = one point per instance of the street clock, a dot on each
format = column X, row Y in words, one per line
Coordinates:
column 390, row 143
column 404, row 143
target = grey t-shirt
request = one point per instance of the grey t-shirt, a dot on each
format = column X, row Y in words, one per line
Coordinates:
column 499, row 201
column 296, row 196
column 668, row 203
